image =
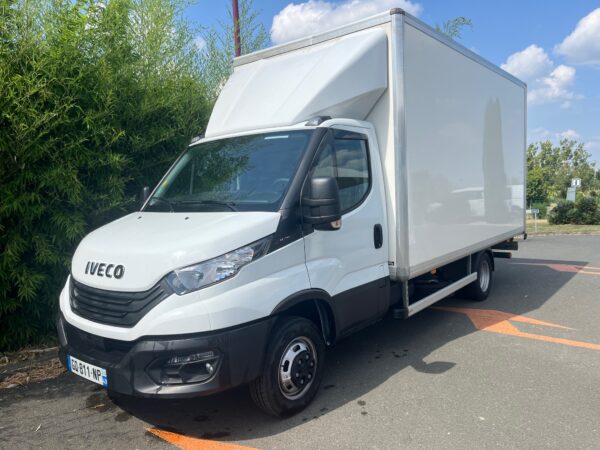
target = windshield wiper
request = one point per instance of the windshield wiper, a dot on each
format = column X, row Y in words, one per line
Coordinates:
column 229, row 205
column 168, row 202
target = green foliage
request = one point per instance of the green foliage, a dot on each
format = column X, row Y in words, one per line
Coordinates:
column 588, row 211
column 585, row 211
column 453, row 27
column 97, row 100
column 551, row 168
column 537, row 185
column 561, row 213
column 219, row 49
column 543, row 207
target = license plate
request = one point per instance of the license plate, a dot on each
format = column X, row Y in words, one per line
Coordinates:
column 88, row 371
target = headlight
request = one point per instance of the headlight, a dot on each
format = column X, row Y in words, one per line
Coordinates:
column 214, row 270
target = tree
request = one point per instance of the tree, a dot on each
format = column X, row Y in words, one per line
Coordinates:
column 550, row 169
column 537, row 190
column 217, row 63
column 97, row 100
column 453, row 27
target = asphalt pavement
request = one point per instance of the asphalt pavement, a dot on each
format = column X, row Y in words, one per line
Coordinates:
column 520, row 370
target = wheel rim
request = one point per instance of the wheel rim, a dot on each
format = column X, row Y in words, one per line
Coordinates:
column 484, row 275
column 297, row 368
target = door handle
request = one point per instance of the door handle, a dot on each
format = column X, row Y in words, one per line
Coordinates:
column 378, row 236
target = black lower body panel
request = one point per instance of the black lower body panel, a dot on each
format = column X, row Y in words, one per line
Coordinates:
column 141, row 368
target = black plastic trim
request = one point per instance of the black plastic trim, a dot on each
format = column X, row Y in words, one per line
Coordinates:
column 290, row 225
column 288, row 230
column 511, row 244
column 319, row 298
column 352, row 309
column 131, row 365
column 301, row 296
column 378, row 236
column 291, row 198
column 116, row 308
column 362, row 305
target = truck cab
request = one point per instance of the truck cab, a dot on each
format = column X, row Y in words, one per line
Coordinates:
column 245, row 235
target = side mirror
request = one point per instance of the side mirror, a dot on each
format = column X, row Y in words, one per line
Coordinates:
column 144, row 194
column 321, row 204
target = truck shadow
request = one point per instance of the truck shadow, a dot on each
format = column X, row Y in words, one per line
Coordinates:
column 364, row 361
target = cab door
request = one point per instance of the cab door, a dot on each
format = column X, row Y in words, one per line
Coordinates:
column 350, row 263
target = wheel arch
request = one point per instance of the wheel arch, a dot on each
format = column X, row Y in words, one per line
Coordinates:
column 475, row 258
column 314, row 305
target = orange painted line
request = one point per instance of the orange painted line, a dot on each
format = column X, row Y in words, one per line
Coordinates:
column 589, row 273
column 190, row 443
column 590, row 267
column 489, row 318
column 499, row 322
column 569, row 342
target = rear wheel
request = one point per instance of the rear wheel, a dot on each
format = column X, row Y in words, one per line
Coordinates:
column 481, row 287
column 293, row 368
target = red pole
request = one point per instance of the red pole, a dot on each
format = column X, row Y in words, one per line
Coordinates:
column 236, row 28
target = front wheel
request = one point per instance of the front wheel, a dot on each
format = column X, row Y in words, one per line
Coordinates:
column 293, row 368
column 479, row 289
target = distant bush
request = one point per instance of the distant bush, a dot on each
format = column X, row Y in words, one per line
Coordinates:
column 561, row 213
column 585, row 211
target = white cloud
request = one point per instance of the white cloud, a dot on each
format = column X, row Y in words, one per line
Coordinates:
column 313, row 16
column 528, row 64
column 569, row 134
column 582, row 46
column 542, row 134
column 554, row 87
column 547, row 83
column 593, row 144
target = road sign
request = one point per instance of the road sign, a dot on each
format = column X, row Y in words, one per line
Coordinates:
column 533, row 211
column 576, row 182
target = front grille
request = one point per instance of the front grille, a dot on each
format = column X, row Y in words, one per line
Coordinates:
column 122, row 309
column 104, row 350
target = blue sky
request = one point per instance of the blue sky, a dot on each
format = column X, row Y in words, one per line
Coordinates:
column 553, row 45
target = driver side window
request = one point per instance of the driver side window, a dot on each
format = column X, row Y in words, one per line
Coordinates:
column 347, row 160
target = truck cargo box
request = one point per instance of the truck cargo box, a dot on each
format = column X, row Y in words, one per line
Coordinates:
column 450, row 126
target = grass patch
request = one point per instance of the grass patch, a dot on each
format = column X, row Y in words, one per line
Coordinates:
column 543, row 227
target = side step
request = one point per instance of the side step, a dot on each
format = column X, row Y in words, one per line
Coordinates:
column 435, row 297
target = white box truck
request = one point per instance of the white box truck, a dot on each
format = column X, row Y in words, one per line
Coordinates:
column 376, row 167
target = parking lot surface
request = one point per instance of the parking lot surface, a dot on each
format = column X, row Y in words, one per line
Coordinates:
column 520, row 370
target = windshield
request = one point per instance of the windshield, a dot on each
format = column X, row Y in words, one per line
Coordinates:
column 246, row 173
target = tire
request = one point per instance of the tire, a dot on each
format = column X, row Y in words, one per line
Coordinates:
column 289, row 382
column 480, row 289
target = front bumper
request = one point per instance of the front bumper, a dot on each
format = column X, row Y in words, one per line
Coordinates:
column 133, row 368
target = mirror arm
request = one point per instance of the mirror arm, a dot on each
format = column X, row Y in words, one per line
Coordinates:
column 144, row 195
